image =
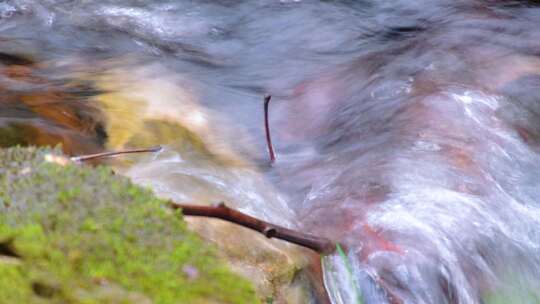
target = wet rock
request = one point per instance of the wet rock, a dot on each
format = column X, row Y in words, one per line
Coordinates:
column 270, row 264
column 36, row 110
column 148, row 106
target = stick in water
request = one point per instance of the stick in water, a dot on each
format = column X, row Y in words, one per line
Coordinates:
column 267, row 129
column 221, row 211
column 114, row 153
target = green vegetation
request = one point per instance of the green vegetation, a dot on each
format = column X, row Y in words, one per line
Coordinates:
column 514, row 288
column 74, row 234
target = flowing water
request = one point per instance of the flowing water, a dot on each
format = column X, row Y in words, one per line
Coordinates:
column 407, row 130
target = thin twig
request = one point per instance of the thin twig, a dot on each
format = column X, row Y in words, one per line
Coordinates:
column 267, row 129
column 221, row 211
column 114, row 153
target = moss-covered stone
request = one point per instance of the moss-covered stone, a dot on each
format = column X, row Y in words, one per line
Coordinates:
column 73, row 234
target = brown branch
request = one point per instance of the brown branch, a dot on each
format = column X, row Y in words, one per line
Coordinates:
column 221, row 211
column 114, row 153
column 267, row 129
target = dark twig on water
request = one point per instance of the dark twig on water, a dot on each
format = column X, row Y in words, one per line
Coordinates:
column 267, row 129
column 114, row 153
column 221, row 211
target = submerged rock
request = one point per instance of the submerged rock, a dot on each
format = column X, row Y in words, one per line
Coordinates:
column 73, row 234
column 40, row 109
column 149, row 106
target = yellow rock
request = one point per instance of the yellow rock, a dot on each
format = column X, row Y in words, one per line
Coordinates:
column 149, row 106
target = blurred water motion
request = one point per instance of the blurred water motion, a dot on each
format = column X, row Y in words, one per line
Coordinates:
column 407, row 130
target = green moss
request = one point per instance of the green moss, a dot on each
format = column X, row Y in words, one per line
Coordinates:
column 73, row 234
column 513, row 288
column 13, row 134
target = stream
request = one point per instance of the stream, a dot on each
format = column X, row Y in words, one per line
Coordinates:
column 406, row 130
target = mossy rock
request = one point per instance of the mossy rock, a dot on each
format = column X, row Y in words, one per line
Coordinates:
column 74, row 234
